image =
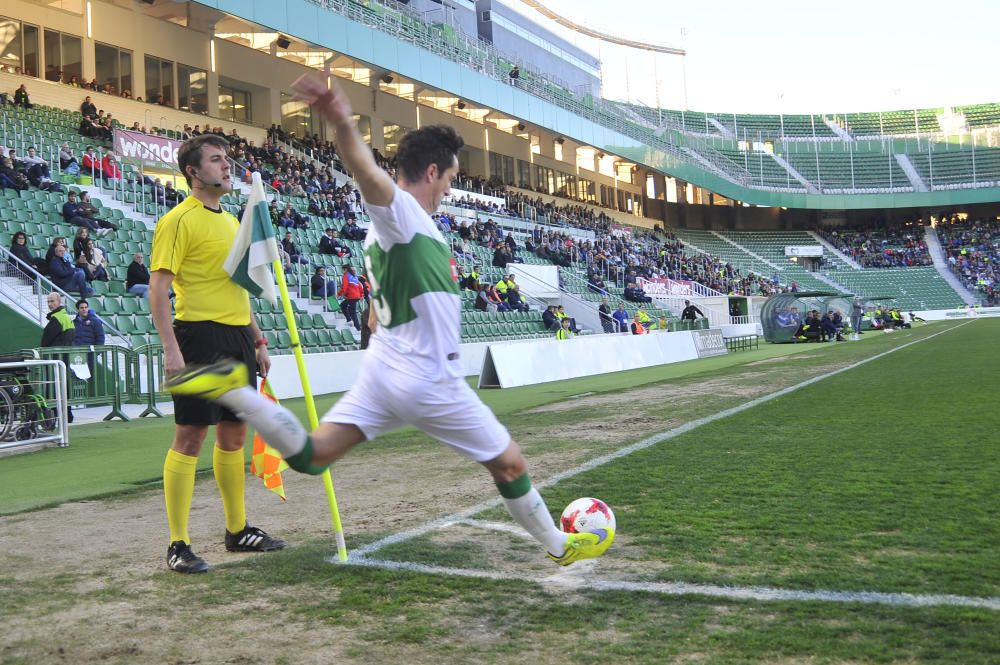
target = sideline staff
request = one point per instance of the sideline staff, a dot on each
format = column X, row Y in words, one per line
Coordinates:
column 213, row 321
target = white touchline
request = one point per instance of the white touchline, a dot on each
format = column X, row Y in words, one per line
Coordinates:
column 587, row 581
column 360, row 556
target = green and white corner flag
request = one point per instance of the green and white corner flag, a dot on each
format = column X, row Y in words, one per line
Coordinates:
column 249, row 261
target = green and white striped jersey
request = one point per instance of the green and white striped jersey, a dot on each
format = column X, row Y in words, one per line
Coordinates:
column 414, row 290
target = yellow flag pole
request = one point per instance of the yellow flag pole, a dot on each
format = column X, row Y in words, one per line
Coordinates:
column 293, row 331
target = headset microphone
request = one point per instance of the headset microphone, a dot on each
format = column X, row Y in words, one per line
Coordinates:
column 217, row 185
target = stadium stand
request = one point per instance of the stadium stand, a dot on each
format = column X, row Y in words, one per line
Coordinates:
column 972, row 249
column 884, row 247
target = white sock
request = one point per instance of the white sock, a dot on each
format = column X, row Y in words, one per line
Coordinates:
column 279, row 426
column 531, row 512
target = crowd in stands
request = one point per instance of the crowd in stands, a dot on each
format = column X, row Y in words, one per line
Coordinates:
column 893, row 246
column 22, row 172
column 972, row 248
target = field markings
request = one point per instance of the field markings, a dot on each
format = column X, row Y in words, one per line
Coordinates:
column 362, row 555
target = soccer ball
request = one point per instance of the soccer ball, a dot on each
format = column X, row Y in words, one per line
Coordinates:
column 587, row 514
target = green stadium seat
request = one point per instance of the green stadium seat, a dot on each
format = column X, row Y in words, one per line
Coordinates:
column 109, row 305
column 131, row 304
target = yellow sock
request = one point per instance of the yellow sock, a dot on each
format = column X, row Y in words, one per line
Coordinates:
column 178, row 488
column 230, row 474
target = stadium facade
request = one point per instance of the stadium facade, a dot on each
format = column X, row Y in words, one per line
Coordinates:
column 409, row 64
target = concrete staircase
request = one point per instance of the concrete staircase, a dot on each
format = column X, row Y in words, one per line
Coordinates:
column 833, row 250
column 941, row 265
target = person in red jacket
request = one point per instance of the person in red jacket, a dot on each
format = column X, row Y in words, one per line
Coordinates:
column 351, row 290
column 91, row 163
column 110, row 168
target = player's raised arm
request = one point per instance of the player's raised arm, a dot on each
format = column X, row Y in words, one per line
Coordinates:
column 375, row 184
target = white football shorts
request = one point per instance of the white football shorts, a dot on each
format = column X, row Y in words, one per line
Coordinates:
column 383, row 399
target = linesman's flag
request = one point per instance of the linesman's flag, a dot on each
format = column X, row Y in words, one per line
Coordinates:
column 249, row 261
column 266, row 462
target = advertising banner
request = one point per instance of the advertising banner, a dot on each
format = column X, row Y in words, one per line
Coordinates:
column 158, row 150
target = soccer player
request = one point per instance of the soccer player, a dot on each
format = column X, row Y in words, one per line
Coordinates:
column 411, row 374
column 213, row 321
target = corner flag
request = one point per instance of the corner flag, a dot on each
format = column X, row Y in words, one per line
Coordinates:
column 266, row 462
column 255, row 247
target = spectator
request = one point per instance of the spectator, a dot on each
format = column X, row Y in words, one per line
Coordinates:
column 329, row 243
column 11, row 178
column 91, row 163
column 19, row 249
column 89, row 327
column 514, row 296
column 110, row 170
column 634, row 294
column 607, row 322
column 562, row 315
column 67, row 161
column 59, row 331
column 564, row 331
column 320, row 286
column 645, row 319
column 81, row 214
column 352, row 291
column 137, row 277
column 287, row 218
column 37, row 169
column 496, row 303
column 637, row 327
column 690, row 312
column 550, row 319
column 65, row 275
column 21, row 98
column 621, row 317
column 171, row 195
column 483, row 299
column 294, row 253
column 596, row 284
column 88, row 108
column 351, row 230
column 92, row 260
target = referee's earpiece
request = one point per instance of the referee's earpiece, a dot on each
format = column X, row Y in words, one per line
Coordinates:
column 194, row 174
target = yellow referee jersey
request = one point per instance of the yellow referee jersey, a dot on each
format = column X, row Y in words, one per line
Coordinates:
column 192, row 242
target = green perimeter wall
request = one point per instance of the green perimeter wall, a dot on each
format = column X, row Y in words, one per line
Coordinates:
column 18, row 332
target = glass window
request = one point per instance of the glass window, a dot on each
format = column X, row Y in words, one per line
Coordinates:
column 152, row 80
column 297, row 117
column 523, row 174
column 113, row 68
column 30, row 39
column 106, row 65
column 72, row 58
column 125, row 72
column 167, row 82
column 18, row 47
column 52, row 56
column 192, row 89
column 502, row 167
column 159, row 81
column 234, row 104
column 63, row 57
column 10, row 44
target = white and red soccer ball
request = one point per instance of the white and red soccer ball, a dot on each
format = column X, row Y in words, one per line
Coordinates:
column 587, row 514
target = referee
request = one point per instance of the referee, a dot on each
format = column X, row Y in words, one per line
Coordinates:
column 212, row 321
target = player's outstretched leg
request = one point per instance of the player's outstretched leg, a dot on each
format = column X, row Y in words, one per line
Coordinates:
column 528, row 509
column 226, row 382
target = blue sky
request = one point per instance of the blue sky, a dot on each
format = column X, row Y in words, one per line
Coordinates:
column 791, row 56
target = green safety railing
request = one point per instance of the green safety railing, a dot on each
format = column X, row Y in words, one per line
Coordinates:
column 118, row 375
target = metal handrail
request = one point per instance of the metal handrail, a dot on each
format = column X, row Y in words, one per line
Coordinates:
column 41, row 285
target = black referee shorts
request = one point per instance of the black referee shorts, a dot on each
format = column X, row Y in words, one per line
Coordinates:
column 203, row 342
